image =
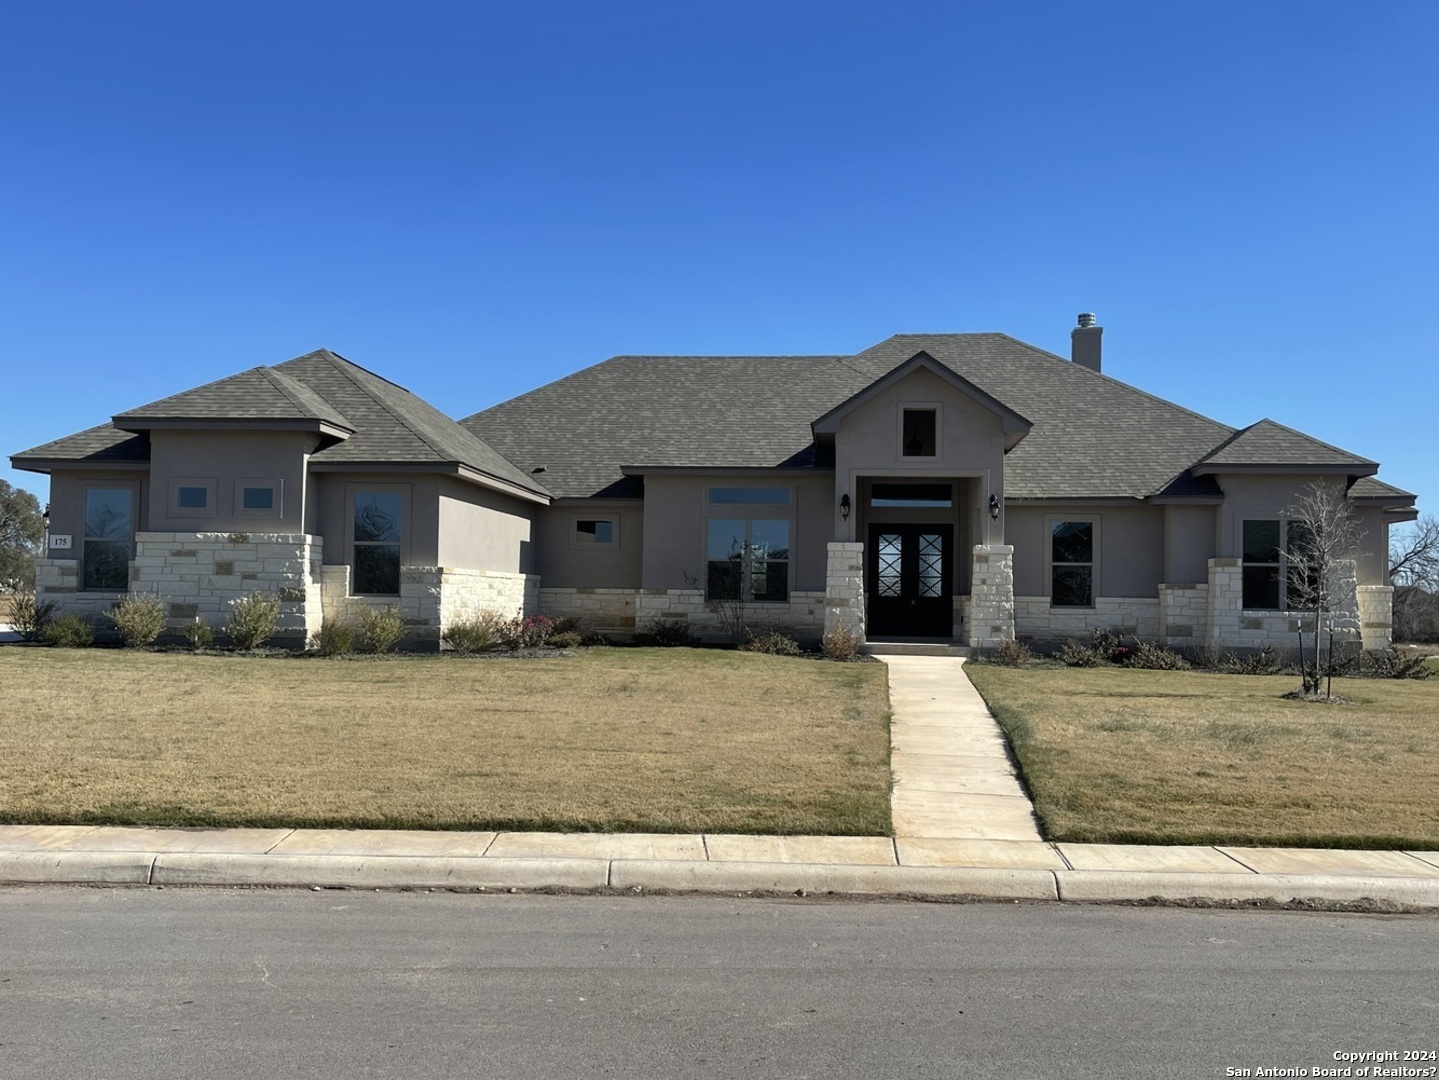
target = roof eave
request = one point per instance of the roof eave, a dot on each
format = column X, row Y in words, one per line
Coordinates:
column 139, row 425
column 1357, row 468
column 458, row 469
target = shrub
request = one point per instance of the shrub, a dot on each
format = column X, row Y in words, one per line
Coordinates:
column 67, row 631
column 140, row 619
column 666, row 633
column 199, row 635
column 332, row 639
column 771, row 642
column 1012, row 653
column 526, row 632
column 1156, row 658
column 566, row 624
column 1392, row 663
column 566, row 639
column 30, row 615
column 1076, row 652
column 478, row 634
column 253, row 619
column 1262, row 661
column 380, row 628
column 596, row 640
column 841, row 644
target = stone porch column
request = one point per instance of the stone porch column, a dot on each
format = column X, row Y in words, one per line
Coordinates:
column 1376, row 615
column 844, row 588
column 991, row 596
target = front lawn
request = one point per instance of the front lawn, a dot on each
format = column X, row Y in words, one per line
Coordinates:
column 664, row 740
column 1157, row 757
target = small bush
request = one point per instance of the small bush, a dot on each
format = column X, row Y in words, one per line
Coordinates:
column 566, row 624
column 253, row 620
column 332, row 639
column 1262, row 661
column 29, row 615
column 666, row 634
column 380, row 629
column 566, row 639
column 199, row 635
column 1012, row 653
column 596, row 640
column 526, row 632
column 1156, row 658
column 840, row 644
column 140, row 619
column 772, row 643
column 1392, row 663
column 482, row 633
column 1079, row 653
column 68, row 632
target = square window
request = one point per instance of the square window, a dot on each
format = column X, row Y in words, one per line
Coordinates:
column 192, row 498
column 595, row 532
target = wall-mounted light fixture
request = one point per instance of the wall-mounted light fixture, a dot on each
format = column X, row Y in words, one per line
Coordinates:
column 45, row 518
column 994, row 507
column 844, row 506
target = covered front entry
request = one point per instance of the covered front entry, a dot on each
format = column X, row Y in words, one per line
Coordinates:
column 909, row 579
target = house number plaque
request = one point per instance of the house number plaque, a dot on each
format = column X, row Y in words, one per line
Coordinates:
column 60, row 542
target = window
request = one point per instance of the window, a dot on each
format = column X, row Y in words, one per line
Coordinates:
column 595, row 532
column 778, row 496
column 377, row 543
column 1071, row 564
column 920, row 495
column 919, row 434
column 109, row 528
column 192, row 496
column 258, row 498
column 747, row 559
column 1267, row 550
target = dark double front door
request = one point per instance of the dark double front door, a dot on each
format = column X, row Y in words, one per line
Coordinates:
column 910, row 581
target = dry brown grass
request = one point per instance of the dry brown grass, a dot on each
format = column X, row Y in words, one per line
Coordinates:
column 1160, row 757
column 610, row 739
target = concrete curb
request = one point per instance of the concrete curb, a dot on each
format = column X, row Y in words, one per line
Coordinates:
column 76, row 867
column 833, row 878
column 378, row 871
column 1101, row 885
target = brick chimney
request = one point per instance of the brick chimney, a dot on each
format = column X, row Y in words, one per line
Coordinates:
column 1084, row 342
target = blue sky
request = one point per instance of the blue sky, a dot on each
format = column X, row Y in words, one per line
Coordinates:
column 475, row 199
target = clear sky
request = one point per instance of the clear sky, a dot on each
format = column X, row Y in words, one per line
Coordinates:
column 474, row 199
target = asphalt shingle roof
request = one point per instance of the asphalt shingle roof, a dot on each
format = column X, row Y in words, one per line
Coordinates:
column 261, row 393
column 1269, row 443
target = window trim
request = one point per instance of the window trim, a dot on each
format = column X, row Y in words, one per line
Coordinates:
column 209, row 483
column 576, row 544
column 133, row 489
column 1094, row 522
column 275, row 484
column 1285, row 603
column 406, row 526
column 935, row 407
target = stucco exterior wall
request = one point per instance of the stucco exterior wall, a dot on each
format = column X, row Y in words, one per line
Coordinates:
column 1130, row 542
column 67, row 503
column 481, row 529
column 1189, row 542
column 563, row 563
column 332, row 501
column 222, row 458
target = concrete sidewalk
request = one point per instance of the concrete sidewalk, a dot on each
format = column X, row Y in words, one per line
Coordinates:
column 920, row 867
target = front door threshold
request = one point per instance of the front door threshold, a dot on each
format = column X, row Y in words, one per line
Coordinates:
column 914, row 647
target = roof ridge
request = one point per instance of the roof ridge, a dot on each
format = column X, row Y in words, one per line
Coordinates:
column 336, row 361
column 278, row 379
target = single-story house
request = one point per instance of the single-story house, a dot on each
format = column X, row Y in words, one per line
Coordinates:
column 964, row 488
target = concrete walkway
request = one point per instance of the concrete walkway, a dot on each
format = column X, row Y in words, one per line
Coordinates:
column 953, row 778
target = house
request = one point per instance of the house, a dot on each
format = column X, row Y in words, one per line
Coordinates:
column 950, row 487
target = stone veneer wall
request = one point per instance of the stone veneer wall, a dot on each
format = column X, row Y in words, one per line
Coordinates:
column 59, row 580
column 596, row 609
column 1230, row 625
column 803, row 616
column 1184, row 615
column 198, row 574
column 1376, row 615
column 433, row 597
column 1035, row 618
column 960, row 631
column 991, row 595
column 844, row 588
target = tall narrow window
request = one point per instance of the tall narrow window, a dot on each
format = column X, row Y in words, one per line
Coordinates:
column 377, row 542
column 1072, row 564
column 109, row 529
column 919, row 437
column 1260, row 570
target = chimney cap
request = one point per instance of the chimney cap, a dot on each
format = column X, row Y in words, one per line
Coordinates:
column 1086, row 319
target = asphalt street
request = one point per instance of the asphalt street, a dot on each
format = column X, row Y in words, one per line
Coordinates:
column 130, row 983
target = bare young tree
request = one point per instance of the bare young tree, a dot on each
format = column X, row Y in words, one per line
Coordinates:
column 1322, row 544
column 1414, row 573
